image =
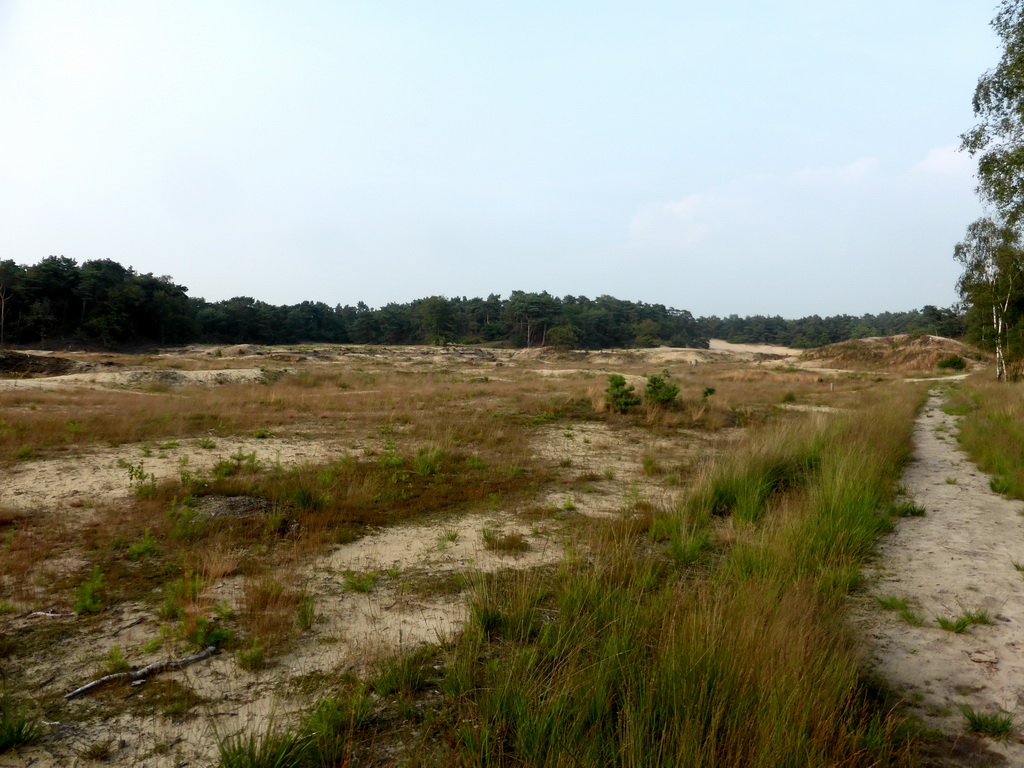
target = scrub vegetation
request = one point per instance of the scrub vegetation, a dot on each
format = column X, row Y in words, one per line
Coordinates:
column 668, row 584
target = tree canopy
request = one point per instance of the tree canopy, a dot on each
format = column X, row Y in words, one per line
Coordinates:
column 992, row 283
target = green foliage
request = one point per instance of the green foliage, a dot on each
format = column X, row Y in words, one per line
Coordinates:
column 179, row 593
column 660, row 391
column 205, row 633
column 142, row 483
column 360, row 581
column 405, row 673
column 252, row 658
column 995, row 724
column 89, row 596
column 115, row 661
column 17, row 726
column 952, row 363
column 306, row 611
column 144, row 547
column 619, row 396
column 329, row 727
column 956, row 625
column 273, row 748
column 563, row 338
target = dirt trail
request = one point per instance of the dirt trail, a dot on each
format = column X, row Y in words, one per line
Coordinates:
column 957, row 558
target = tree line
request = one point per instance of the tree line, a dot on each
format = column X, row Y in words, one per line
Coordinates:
column 58, row 302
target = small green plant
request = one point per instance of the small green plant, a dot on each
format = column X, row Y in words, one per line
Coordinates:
column 911, row 618
column 5, row 607
column 504, row 542
column 168, row 446
column 978, row 616
column 144, row 484
column 329, row 726
column 994, row 724
column 427, row 462
column 252, row 658
column 405, row 672
column 207, row 443
column 360, row 582
column 789, row 397
column 569, row 505
column 650, row 465
column 660, row 391
column 17, row 726
column 619, row 396
column 179, row 593
column 950, row 480
column 447, row 536
column 152, row 645
column 144, row 547
column 893, row 603
column 305, row 611
column 89, row 596
column 958, row 625
column 262, row 433
column 707, row 392
column 906, row 509
column 206, row 633
column 1000, row 485
column 273, row 748
column 115, row 661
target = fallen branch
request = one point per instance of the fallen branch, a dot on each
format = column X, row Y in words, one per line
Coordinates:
column 141, row 674
column 52, row 615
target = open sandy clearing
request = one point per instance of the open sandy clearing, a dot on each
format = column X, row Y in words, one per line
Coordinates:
column 956, row 559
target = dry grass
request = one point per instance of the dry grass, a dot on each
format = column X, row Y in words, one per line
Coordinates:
column 428, row 441
column 269, row 608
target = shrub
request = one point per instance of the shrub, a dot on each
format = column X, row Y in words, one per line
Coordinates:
column 145, row 547
column 659, row 390
column 88, row 597
column 952, row 363
column 620, row 396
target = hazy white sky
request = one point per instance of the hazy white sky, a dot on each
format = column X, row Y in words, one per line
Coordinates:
column 792, row 157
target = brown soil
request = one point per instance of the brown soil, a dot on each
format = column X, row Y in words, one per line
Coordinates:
column 20, row 365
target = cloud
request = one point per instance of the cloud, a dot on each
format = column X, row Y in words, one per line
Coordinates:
column 861, row 168
column 946, row 161
column 674, row 224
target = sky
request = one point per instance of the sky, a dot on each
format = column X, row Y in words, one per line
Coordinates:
column 788, row 158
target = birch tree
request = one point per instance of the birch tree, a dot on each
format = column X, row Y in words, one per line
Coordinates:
column 992, row 283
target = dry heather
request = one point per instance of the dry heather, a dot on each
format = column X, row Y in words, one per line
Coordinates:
column 903, row 353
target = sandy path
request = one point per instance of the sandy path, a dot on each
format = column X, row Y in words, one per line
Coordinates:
column 959, row 557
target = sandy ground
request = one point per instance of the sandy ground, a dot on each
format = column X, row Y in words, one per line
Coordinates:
column 958, row 557
column 352, row 629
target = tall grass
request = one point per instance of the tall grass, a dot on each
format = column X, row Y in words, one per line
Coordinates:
column 992, row 430
column 633, row 656
column 619, row 662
